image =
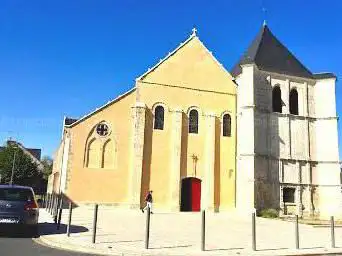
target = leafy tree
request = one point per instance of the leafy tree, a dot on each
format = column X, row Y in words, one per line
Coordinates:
column 47, row 163
column 26, row 172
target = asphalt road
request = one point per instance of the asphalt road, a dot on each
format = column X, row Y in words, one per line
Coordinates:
column 12, row 244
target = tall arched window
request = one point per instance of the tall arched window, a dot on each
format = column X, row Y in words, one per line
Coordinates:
column 226, row 125
column 108, row 155
column 159, row 118
column 93, row 153
column 276, row 100
column 294, row 102
column 193, row 121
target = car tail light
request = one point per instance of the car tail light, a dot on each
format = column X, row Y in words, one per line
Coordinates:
column 30, row 205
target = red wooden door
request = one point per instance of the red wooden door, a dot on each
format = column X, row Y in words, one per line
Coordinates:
column 196, row 195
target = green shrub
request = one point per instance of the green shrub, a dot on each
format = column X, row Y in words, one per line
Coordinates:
column 269, row 213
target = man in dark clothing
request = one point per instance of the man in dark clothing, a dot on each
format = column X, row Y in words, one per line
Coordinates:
column 148, row 200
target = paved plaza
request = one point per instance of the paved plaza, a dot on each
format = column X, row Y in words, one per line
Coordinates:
column 122, row 232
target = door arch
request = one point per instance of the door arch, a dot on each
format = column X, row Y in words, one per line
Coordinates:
column 191, row 194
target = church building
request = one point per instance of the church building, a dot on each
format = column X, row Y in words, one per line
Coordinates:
column 174, row 133
column 263, row 136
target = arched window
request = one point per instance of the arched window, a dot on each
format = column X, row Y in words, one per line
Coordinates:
column 108, row 154
column 294, row 102
column 93, row 153
column 159, row 118
column 193, row 121
column 276, row 100
column 226, row 125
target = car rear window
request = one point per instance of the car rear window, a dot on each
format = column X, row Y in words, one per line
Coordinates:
column 16, row 194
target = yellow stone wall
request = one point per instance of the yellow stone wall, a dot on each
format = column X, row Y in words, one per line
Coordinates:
column 190, row 78
column 102, row 185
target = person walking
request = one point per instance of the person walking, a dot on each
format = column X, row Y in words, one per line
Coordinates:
column 148, row 200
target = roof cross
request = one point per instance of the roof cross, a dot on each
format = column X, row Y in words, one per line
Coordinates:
column 194, row 32
column 264, row 10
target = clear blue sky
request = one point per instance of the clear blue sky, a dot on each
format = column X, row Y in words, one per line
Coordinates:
column 54, row 53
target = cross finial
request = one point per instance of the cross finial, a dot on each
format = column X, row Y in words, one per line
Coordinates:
column 264, row 10
column 194, row 32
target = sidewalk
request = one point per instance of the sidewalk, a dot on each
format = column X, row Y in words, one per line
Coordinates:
column 122, row 232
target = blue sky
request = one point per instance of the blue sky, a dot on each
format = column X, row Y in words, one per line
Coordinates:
column 68, row 57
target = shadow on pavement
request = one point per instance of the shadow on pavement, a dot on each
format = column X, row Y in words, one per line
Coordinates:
column 51, row 229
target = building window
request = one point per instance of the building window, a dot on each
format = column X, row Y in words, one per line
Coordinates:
column 108, row 155
column 193, row 121
column 159, row 118
column 294, row 102
column 102, row 129
column 276, row 100
column 226, row 125
column 289, row 195
column 93, row 151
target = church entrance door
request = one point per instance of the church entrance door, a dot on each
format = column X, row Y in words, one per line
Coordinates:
column 191, row 195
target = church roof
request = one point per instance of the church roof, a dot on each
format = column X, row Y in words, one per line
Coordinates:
column 69, row 121
column 77, row 121
column 324, row 75
column 269, row 54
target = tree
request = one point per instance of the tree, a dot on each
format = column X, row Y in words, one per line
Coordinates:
column 26, row 172
column 47, row 163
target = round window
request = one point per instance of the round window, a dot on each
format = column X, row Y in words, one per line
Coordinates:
column 102, row 129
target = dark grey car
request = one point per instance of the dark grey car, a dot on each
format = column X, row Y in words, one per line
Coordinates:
column 18, row 207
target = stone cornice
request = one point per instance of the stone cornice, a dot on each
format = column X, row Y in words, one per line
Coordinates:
column 291, row 116
column 290, row 159
column 309, row 184
column 187, row 88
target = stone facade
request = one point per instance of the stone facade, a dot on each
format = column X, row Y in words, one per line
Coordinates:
column 288, row 151
column 275, row 156
column 158, row 159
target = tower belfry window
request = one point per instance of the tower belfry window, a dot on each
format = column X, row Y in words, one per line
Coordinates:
column 294, row 102
column 276, row 100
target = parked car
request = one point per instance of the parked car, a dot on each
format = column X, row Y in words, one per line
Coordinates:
column 19, row 208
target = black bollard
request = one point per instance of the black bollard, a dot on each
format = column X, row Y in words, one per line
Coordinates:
column 203, row 231
column 59, row 212
column 55, row 209
column 69, row 220
column 53, row 205
column 49, row 203
column 59, row 218
column 52, row 202
column 147, row 236
column 253, row 233
column 44, row 201
column 95, row 222
column 297, row 232
column 332, row 230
